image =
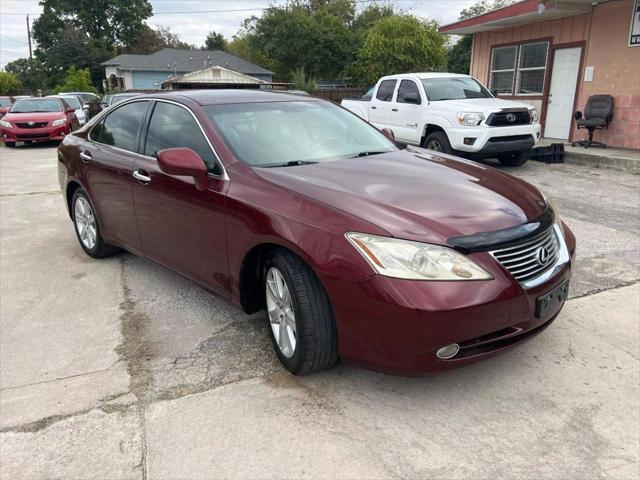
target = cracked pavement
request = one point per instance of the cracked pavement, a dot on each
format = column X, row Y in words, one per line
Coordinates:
column 120, row 368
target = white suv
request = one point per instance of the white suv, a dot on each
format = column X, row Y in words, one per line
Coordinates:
column 450, row 113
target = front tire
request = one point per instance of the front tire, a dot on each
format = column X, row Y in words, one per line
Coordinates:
column 514, row 159
column 302, row 326
column 10, row 144
column 438, row 142
column 87, row 227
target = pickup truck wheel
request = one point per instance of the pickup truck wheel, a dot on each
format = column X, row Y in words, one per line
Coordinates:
column 438, row 142
column 302, row 325
column 513, row 159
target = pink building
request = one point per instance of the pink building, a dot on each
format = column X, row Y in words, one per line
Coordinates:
column 555, row 54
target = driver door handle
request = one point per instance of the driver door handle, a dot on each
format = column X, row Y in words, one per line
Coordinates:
column 394, row 109
column 85, row 157
column 141, row 175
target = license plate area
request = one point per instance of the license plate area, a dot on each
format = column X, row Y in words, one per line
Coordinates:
column 549, row 303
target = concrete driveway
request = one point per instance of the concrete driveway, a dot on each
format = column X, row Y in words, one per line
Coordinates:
column 119, row 368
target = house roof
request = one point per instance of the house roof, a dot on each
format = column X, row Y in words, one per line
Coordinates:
column 214, row 75
column 173, row 59
column 520, row 13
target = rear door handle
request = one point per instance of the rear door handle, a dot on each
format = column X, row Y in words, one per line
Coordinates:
column 394, row 109
column 141, row 175
column 85, row 157
column 373, row 108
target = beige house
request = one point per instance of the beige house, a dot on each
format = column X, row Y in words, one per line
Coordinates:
column 555, row 54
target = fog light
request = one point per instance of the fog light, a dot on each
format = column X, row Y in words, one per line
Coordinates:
column 449, row 351
column 469, row 140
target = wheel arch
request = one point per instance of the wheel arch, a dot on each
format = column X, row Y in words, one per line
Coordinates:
column 250, row 275
column 72, row 186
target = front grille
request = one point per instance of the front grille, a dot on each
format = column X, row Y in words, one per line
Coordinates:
column 31, row 136
column 528, row 259
column 34, row 125
column 508, row 118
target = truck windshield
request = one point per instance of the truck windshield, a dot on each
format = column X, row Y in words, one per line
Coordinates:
column 272, row 134
column 454, row 88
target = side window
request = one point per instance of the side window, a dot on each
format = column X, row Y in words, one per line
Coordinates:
column 120, row 128
column 172, row 126
column 385, row 90
column 407, row 86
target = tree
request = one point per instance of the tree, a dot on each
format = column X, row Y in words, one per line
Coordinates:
column 399, row 44
column 301, row 81
column 86, row 33
column 31, row 74
column 9, row 84
column 215, row 41
column 76, row 80
column 459, row 54
column 298, row 36
column 150, row 41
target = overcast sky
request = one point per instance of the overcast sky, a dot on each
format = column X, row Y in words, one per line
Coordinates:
column 193, row 27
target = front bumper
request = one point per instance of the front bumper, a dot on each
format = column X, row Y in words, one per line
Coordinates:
column 16, row 134
column 397, row 326
column 493, row 140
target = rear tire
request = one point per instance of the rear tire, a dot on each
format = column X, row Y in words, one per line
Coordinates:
column 315, row 340
column 87, row 227
column 438, row 142
column 514, row 159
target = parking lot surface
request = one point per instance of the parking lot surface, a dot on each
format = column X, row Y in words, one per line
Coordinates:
column 120, row 368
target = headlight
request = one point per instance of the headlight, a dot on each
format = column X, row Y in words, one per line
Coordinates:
column 556, row 211
column 470, row 119
column 535, row 116
column 5, row 124
column 58, row 122
column 396, row 258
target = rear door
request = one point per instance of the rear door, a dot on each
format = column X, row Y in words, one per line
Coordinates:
column 406, row 115
column 180, row 226
column 381, row 104
column 108, row 159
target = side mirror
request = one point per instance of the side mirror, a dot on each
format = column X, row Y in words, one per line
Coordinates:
column 389, row 133
column 185, row 162
column 411, row 98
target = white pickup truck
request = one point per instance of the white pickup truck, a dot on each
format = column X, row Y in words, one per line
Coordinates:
column 450, row 113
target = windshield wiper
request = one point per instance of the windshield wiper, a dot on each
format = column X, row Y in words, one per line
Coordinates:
column 369, row 153
column 292, row 163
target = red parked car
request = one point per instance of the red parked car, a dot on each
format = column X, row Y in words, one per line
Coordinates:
column 37, row 119
column 5, row 104
column 402, row 260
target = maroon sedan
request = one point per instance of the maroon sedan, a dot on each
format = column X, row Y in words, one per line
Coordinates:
column 401, row 260
column 37, row 119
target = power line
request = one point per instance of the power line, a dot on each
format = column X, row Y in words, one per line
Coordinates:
column 13, row 39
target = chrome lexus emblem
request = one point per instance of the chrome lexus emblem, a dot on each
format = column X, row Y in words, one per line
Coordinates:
column 542, row 255
column 30, row 124
column 510, row 117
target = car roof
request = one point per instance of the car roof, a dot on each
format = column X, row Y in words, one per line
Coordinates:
column 426, row 75
column 226, row 96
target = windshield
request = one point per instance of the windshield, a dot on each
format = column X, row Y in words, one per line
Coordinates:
column 5, row 102
column 454, row 88
column 73, row 101
column 281, row 133
column 37, row 105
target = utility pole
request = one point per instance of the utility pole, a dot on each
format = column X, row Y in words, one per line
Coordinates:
column 29, row 37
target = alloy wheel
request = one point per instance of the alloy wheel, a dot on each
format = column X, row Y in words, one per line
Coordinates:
column 281, row 314
column 434, row 145
column 85, row 222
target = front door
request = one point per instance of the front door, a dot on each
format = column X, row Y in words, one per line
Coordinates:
column 564, row 75
column 180, row 226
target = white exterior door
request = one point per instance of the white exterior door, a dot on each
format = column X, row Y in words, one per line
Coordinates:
column 566, row 64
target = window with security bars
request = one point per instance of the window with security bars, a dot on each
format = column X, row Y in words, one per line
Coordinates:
column 519, row 68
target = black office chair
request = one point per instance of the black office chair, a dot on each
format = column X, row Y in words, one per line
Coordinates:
column 597, row 115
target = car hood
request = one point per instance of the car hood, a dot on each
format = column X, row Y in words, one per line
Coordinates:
column 415, row 194
column 33, row 117
column 483, row 104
